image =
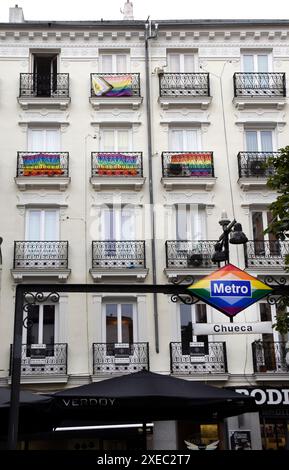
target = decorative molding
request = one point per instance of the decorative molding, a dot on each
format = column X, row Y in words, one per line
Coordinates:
column 184, row 115
column 261, row 116
column 190, row 197
column 260, row 198
column 44, row 116
column 104, row 198
column 115, row 116
column 41, row 199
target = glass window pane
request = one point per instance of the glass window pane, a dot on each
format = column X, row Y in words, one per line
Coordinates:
column 258, row 227
column 34, row 225
column 189, row 63
column 174, row 63
column 176, row 140
column 181, row 222
column 107, row 140
column 265, row 312
column 48, row 324
column 121, row 63
column 123, row 141
column 111, row 323
column 36, row 140
column 248, row 63
column 201, row 313
column 266, row 141
column 191, row 141
column 127, row 223
column 186, row 328
column 52, row 140
column 33, row 324
column 106, row 63
column 251, row 141
column 262, row 61
column 127, row 323
column 50, row 226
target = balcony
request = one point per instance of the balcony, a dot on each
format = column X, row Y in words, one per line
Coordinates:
column 253, row 173
column 269, row 360
column 119, row 358
column 115, row 90
column 118, row 259
column 38, row 170
column 259, row 89
column 188, row 170
column 43, row 363
column 183, row 257
column 44, row 90
column 122, row 170
column 38, row 259
column 265, row 255
column 184, row 89
column 214, row 364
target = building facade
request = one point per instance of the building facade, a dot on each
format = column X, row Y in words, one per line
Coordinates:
column 122, row 144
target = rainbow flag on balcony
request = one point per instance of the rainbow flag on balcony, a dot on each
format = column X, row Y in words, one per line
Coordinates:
column 196, row 164
column 117, row 164
column 112, row 85
column 41, row 164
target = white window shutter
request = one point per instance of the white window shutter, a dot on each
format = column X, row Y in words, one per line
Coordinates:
column 52, row 140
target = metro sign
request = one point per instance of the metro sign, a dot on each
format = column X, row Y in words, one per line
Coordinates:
column 230, row 290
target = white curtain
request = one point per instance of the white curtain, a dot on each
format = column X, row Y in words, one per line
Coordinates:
column 266, row 141
column 44, row 140
column 251, row 141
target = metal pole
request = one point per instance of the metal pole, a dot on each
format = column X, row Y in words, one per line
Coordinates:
column 16, row 370
column 151, row 191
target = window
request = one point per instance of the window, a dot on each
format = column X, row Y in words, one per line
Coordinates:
column 184, row 139
column 120, row 322
column 45, row 73
column 42, row 225
column 256, row 62
column 190, row 222
column 114, row 63
column 41, row 331
column 259, row 140
column 44, row 139
column 115, row 140
column 118, row 223
column 181, row 62
column 264, row 244
column 190, row 314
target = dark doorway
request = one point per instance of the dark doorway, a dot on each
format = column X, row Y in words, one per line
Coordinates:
column 45, row 74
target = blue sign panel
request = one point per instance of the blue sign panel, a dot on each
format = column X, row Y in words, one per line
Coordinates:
column 226, row 288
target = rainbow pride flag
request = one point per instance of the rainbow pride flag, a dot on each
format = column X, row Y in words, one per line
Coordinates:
column 112, row 85
column 195, row 163
column 117, row 164
column 41, row 164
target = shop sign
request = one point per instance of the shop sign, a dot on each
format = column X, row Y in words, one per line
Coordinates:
column 240, row 440
column 230, row 290
column 232, row 328
column 266, row 396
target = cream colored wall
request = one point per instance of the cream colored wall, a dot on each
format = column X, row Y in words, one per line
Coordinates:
column 79, row 58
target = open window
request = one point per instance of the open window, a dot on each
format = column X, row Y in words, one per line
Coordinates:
column 45, row 74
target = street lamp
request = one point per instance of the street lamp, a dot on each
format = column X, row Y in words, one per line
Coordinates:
column 237, row 237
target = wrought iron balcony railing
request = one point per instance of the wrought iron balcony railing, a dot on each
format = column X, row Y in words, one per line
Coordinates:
column 116, row 164
column 42, row 164
column 259, row 84
column 188, row 164
column 254, row 164
column 110, row 357
column 215, row 359
column 190, row 254
column 118, row 254
column 265, row 253
column 114, row 85
column 40, row 255
column 269, row 356
column 184, row 84
column 44, row 85
column 52, row 359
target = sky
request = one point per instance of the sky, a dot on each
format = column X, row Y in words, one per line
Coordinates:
column 157, row 9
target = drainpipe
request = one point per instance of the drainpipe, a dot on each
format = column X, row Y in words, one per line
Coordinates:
column 148, row 36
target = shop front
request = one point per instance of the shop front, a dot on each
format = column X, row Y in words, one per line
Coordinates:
column 273, row 403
